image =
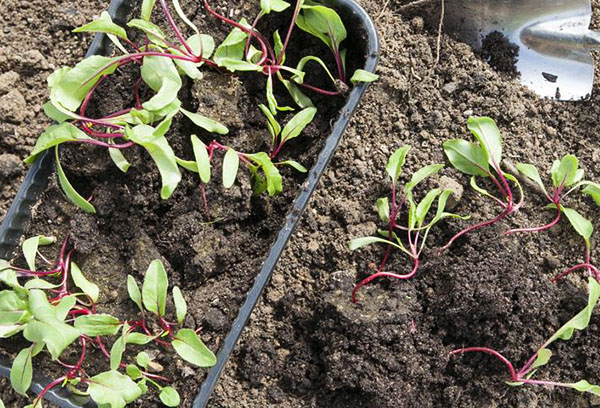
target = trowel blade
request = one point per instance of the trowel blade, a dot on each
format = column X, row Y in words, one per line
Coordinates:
column 552, row 69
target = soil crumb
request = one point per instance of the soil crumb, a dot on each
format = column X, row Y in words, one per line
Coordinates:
column 501, row 54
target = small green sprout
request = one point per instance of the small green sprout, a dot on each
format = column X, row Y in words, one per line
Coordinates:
column 542, row 356
column 566, row 178
column 410, row 238
column 483, row 160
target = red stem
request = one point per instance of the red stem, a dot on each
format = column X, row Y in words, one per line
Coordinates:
column 290, row 30
column 511, row 368
column 177, row 32
column 384, row 274
column 537, row 229
column 475, row 227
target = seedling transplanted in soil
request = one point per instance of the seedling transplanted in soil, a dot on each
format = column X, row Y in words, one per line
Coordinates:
column 162, row 63
column 484, row 161
column 566, row 177
column 416, row 230
column 542, row 356
column 56, row 308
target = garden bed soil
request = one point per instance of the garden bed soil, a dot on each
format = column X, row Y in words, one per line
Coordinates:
column 307, row 345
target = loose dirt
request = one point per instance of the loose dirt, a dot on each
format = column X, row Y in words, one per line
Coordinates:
column 307, row 345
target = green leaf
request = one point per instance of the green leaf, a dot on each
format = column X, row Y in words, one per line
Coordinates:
column 273, row 177
column 133, row 371
column 134, row 292
column 298, row 77
column 273, row 5
column 198, row 43
column 169, row 397
column 531, row 172
column 180, row 305
column 564, row 172
column 184, row 18
column 189, row 347
column 584, row 386
column 68, row 189
column 161, row 152
column 113, row 389
column 39, row 284
column 272, row 125
column 205, row 123
column 582, row 225
column 324, row 23
column 425, row 205
column 147, row 6
column 143, row 359
column 593, row 190
column 56, row 114
column 118, row 348
column 297, row 124
column 154, row 289
column 154, row 33
column 360, row 75
column 396, row 162
column 139, row 338
column 64, row 307
column 81, row 282
column 231, row 163
column 278, row 46
column 30, row 247
column 422, row 174
column 230, row 54
column 543, row 356
column 361, row 242
column 75, row 83
column 46, row 327
column 297, row 95
column 202, row 159
column 234, row 65
column 98, row 325
column 294, row 164
column 55, row 135
column 581, row 320
column 487, row 133
column 103, row 25
column 21, row 372
column 383, row 209
column 119, row 159
column 467, row 157
column 160, row 74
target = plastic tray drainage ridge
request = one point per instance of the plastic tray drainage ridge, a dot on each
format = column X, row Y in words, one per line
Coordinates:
column 36, row 180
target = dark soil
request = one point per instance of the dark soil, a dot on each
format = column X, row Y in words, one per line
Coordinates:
column 307, row 345
column 500, row 53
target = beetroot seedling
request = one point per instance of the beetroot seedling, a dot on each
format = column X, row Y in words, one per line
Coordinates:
column 237, row 54
column 566, row 177
column 409, row 238
column 543, row 354
column 484, row 161
column 56, row 315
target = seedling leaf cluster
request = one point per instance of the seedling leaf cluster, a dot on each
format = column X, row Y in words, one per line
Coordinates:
column 55, row 309
column 162, row 63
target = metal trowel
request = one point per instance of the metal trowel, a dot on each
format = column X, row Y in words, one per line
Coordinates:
column 553, row 36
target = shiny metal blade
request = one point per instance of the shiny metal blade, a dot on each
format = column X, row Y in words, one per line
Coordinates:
column 553, row 37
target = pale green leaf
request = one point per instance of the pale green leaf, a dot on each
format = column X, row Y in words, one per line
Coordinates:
column 487, row 133
column 273, row 5
column 161, row 75
column 294, row 164
column 383, row 209
column 593, row 190
column 103, row 25
column 98, row 325
column 360, row 75
column 202, row 159
column 180, row 305
column 68, row 189
column 113, row 389
column 147, row 6
column 422, row 174
column 231, row 164
column 324, row 23
column 205, row 123
column 30, row 248
column 169, row 397
column 134, row 292
column 467, row 157
column 189, row 347
column 21, row 372
column 396, row 162
column 89, row 288
column 154, row 289
column 297, row 124
column 531, row 172
column 55, row 135
column 119, row 159
column 565, row 171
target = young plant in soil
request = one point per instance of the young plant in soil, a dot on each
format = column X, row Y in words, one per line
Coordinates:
column 57, row 308
column 162, row 62
column 543, row 354
column 484, row 161
column 237, row 53
column 566, row 177
column 409, row 238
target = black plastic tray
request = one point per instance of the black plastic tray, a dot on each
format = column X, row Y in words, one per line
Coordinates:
column 36, row 180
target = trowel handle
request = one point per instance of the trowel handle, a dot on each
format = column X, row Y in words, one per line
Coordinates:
column 538, row 38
